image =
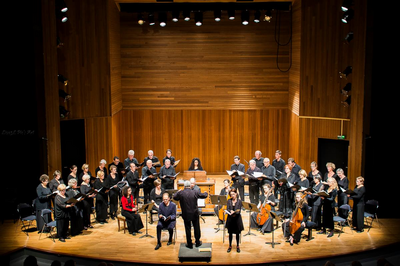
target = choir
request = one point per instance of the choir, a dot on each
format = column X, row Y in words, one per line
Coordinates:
column 285, row 189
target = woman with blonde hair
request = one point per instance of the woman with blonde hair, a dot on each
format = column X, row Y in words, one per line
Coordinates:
column 62, row 212
column 328, row 207
column 101, row 198
column 358, row 205
column 330, row 167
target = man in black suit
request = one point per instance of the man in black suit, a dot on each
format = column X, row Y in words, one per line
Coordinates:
column 188, row 202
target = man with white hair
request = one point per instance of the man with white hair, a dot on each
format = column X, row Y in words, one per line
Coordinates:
column 188, row 202
column 154, row 159
column 166, row 174
column 253, row 182
column 131, row 159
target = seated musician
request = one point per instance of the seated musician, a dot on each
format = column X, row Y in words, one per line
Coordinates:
column 129, row 211
column 167, row 219
column 195, row 165
column 266, row 198
column 290, row 224
column 219, row 209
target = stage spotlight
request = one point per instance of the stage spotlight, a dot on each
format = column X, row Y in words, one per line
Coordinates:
column 345, row 91
column 175, row 15
column 349, row 37
column 346, row 5
column 61, row 6
column 64, row 95
column 217, row 15
column 140, row 19
column 62, row 79
column 346, row 72
column 347, row 102
column 268, row 15
column 150, row 17
column 231, row 14
column 61, row 16
column 63, row 112
column 186, row 15
column 245, row 17
column 257, row 15
column 347, row 16
column 198, row 16
column 162, row 19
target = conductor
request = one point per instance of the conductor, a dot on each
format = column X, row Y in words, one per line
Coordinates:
column 188, row 202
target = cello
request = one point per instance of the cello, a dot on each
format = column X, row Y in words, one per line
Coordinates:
column 297, row 217
column 221, row 213
column 264, row 213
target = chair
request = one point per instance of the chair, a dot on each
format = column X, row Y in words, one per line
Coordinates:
column 371, row 208
column 340, row 220
column 49, row 226
column 175, row 232
column 121, row 218
column 310, row 226
column 26, row 216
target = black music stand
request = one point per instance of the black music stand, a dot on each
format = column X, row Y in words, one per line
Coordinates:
column 145, row 208
column 219, row 201
column 273, row 216
column 251, row 207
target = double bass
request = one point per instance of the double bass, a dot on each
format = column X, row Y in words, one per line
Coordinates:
column 297, row 217
column 264, row 213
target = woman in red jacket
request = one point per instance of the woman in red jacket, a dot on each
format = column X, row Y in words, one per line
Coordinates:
column 129, row 211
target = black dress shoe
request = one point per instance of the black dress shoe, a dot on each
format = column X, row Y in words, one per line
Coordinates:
column 158, row 246
column 238, row 250
column 189, row 246
column 229, row 249
column 67, row 237
column 61, row 239
column 199, row 244
column 134, row 233
column 169, row 243
column 330, row 234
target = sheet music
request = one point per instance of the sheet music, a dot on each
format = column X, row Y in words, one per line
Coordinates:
column 201, row 202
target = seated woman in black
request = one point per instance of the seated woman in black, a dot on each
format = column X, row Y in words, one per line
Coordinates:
column 302, row 206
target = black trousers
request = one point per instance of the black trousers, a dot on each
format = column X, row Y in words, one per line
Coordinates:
column 316, row 216
column 160, row 226
column 239, row 187
column 62, row 227
column 133, row 221
column 196, row 227
column 254, row 193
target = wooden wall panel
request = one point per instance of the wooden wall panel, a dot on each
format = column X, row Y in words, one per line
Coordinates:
column 221, row 65
column 215, row 136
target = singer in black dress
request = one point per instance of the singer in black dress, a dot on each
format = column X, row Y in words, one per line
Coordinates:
column 88, row 201
column 343, row 185
column 62, row 213
column 359, row 205
column 101, row 198
column 76, row 212
column 112, row 181
column 43, row 201
column 328, row 207
column 234, row 222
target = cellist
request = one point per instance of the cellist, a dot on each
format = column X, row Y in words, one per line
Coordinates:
column 267, row 200
column 293, row 227
column 219, row 210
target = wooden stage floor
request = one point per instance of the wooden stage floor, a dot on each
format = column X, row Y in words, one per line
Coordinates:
column 104, row 242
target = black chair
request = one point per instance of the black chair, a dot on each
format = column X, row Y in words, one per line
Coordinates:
column 48, row 227
column 26, row 216
column 310, row 226
column 340, row 220
column 371, row 209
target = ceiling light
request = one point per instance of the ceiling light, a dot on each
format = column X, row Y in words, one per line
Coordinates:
column 150, row 17
column 346, row 72
column 217, row 15
column 347, row 16
column 245, row 17
column 198, row 16
column 346, row 5
column 345, row 91
column 175, row 15
column 186, row 15
column 140, row 19
column 257, row 15
column 231, row 14
column 162, row 19
column 349, row 37
column 268, row 16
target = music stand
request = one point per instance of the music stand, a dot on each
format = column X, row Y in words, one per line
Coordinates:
column 219, row 201
column 273, row 216
column 251, row 207
column 145, row 209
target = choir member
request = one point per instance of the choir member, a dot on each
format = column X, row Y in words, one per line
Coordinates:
column 129, row 211
column 168, row 155
column 258, row 159
column 120, row 167
column 131, row 159
column 56, row 181
column 156, row 197
column 166, row 219
column 286, row 193
column 224, row 192
column 132, row 177
column 303, row 208
column 279, row 163
column 295, row 167
column 76, row 212
column 234, row 222
column 266, row 198
column 102, row 167
column 314, row 171
column 238, row 181
column 330, row 167
column 72, row 174
column 62, row 213
column 154, row 159
column 85, row 171
column 269, row 171
column 195, row 165
column 167, row 173
column 190, row 214
column 315, row 201
column 358, row 205
column 87, row 202
column 253, row 182
column 112, row 180
column 101, row 198
column 328, row 207
column 343, row 185
column 303, row 182
column 43, row 201
column 148, row 175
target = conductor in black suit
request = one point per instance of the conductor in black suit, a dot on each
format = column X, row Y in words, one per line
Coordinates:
column 188, row 202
